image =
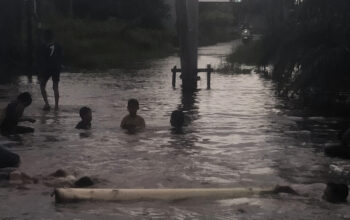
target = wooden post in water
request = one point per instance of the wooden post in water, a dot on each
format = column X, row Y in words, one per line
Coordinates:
column 173, row 70
column 187, row 26
column 209, row 75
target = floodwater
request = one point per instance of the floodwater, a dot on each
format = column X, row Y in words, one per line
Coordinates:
column 238, row 134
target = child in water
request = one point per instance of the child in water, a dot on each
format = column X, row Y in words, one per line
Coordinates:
column 133, row 122
column 13, row 115
column 177, row 121
column 86, row 117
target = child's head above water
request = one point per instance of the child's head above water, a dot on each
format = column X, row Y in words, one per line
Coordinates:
column 85, row 114
column 25, row 98
column 133, row 106
column 177, row 119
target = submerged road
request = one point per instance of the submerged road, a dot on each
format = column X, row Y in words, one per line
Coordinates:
column 239, row 134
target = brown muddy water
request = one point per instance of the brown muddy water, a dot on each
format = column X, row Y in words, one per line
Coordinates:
column 239, row 134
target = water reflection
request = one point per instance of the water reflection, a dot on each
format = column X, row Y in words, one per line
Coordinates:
column 44, row 117
column 50, row 118
column 85, row 134
column 184, row 138
column 189, row 105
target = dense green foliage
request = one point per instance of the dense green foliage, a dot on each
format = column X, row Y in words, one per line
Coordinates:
column 216, row 23
column 100, row 34
column 10, row 39
column 308, row 49
column 111, row 33
column 93, row 44
column 145, row 13
column 94, row 35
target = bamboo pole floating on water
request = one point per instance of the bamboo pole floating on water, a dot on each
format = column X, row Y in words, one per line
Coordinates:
column 64, row 195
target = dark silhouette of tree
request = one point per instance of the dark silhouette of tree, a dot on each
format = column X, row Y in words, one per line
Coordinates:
column 312, row 53
column 307, row 43
column 10, row 37
column 145, row 13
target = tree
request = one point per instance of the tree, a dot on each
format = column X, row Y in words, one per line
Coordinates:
column 10, row 29
column 307, row 43
column 313, row 54
column 145, row 13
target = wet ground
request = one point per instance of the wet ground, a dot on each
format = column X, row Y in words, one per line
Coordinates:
column 239, row 134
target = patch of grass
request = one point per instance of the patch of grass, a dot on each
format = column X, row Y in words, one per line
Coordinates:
column 228, row 68
column 216, row 24
column 91, row 45
column 250, row 54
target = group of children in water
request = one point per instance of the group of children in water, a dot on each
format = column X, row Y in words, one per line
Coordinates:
column 132, row 122
column 13, row 114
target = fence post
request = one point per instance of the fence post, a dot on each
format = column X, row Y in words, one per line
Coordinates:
column 174, row 76
column 208, row 75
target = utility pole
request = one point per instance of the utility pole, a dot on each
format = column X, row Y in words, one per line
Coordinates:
column 187, row 26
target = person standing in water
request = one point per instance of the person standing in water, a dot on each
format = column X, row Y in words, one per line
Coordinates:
column 50, row 60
